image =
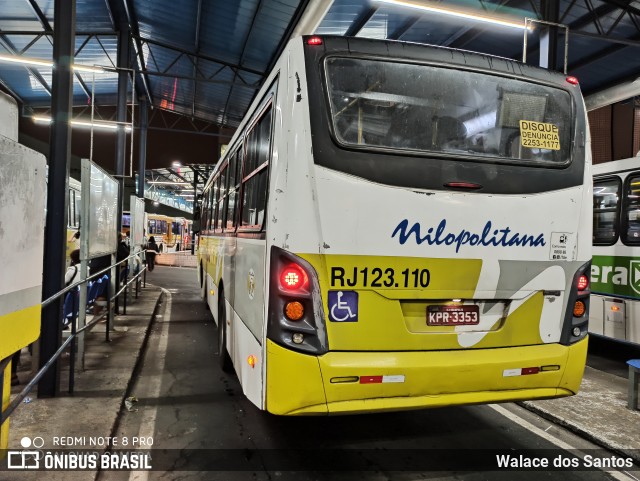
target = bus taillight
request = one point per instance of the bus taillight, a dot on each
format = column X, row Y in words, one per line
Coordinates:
column 296, row 316
column 576, row 321
column 293, row 277
column 294, row 310
column 583, row 282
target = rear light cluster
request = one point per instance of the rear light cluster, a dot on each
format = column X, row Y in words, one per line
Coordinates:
column 577, row 316
column 296, row 316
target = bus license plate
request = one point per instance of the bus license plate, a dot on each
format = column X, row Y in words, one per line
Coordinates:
column 453, row 315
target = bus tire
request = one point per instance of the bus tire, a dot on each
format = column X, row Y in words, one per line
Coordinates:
column 203, row 286
column 224, row 360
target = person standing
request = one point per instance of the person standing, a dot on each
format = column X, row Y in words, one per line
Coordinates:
column 71, row 275
column 152, row 251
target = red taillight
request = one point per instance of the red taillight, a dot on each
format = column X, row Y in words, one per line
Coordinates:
column 572, row 80
column 293, row 277
column 583, row 282
column 314, row 41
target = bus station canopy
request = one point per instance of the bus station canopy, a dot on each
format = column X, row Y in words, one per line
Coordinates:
column 206, row 59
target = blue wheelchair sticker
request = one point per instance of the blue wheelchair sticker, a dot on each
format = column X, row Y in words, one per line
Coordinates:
column 343, row 306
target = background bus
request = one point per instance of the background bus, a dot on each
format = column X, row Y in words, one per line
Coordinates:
column 169, row 232
column 73, row 217
column 615, row 273
column 373, row 242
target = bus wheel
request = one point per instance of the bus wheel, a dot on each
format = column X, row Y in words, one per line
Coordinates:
column 223, row 355
column 203, row 286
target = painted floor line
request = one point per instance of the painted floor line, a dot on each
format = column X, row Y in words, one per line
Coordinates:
column 619, row 475
column 149, row 415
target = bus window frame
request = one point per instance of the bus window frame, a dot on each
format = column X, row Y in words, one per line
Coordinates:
column 238, row 183
column 268, row 103
column 71, row 209
column 221, row 213
column 618, row 209
column 439, row 154
column 623, row 220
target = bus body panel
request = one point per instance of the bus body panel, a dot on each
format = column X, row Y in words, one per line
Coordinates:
column 615, row 271
column 335, row 220
column 243, row 344
column 382, row 381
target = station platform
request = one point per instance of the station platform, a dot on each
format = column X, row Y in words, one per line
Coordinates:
column 103, row 392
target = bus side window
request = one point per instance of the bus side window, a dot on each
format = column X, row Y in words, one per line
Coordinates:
column 223, row 195
column 631, row 216
column 212, row 206
column 258, row 150
column 606, row 204
column 78, row 208
column 204, row 212
column 234, row 188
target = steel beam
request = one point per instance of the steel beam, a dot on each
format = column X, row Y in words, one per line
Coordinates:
column 57, row 192
column 121, row 114
column 142, row 148
column 361, row 21
column 549, row 40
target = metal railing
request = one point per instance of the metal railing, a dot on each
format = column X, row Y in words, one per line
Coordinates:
column 70, row 341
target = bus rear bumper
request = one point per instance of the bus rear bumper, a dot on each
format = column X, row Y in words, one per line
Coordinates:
column 355, row 382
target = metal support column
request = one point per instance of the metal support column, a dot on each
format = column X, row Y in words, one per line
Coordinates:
column 121, row 114
column 195, row 208
column 549, row 35
column 57, row 191
column 142, row 152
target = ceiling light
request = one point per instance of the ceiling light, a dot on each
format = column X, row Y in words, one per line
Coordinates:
column 455, row 13
column 176, row 163
column 97, row 124
column 47, row 63
column 168, row 182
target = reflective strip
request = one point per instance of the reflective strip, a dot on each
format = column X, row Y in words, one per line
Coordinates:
column 520, row 372
column 381, row 379
column 511, row 372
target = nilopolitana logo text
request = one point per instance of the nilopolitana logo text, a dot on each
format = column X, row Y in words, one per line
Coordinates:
column 489, row 237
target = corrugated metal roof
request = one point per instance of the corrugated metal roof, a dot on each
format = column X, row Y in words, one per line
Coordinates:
column 207, row 58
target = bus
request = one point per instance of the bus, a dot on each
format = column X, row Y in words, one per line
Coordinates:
column 173, row 232
column 399, row 226
column 73, row 217
column 615, row 270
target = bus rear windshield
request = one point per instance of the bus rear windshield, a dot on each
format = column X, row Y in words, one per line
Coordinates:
column 378, row 104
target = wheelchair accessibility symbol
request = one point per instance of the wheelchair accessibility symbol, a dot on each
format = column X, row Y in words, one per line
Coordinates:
column 343, row 306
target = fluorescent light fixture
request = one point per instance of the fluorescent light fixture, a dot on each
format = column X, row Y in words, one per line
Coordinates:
column 168, row 182
column 97, row 124
column 455, row 13
column 176, row 163
column 25, row 61
column 47, row 63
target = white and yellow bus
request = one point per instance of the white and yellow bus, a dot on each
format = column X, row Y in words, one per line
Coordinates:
column 399, row 226
column 615, row 271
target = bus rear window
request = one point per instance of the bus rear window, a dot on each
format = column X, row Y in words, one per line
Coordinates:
column 378, row 104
